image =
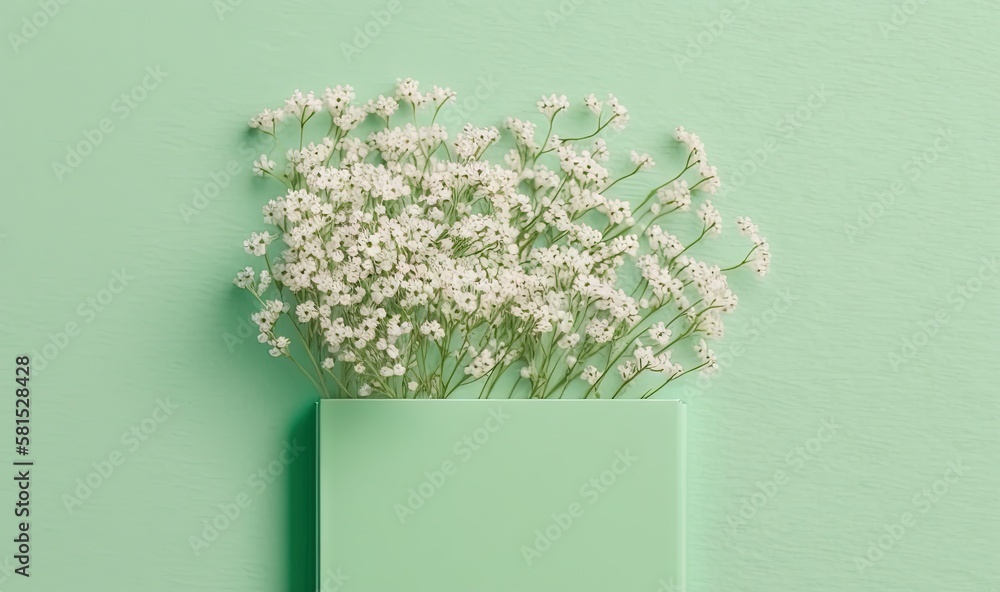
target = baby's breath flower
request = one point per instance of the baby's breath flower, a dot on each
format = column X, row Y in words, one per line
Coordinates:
column 384, row 107
column 301, row 106
column 619, row 114
column 267, row 119
column 263, row 165
column 257, row 243
column 524, row 132
column 660, row 334
column 552, row 104
column 642, row 160
column 409, row 90
column 591, row 374
column 338, row 98
column 414, row 261
column 441, row 95
column 245, row 278
column 710, row 217
column 593, row 103
column 707, row 357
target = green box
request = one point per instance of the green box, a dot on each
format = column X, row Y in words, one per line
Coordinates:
column 500, row 495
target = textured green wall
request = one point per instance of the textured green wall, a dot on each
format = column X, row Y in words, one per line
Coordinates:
column 866, row 133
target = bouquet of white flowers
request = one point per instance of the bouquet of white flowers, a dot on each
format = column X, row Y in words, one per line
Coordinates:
column 411, row 266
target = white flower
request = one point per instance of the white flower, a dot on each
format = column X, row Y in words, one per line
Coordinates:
column 761, row 262
column 712, row 183
column 552, row 104
column 593, row 104
column 409, row 90
column 407, row 247
column 441, row 95
column 433, row 329
column 384, row 107
column 676, row 194
column 257, row 243
column 302, row 106
column 710, row 217
column 591, row 374
column 262, row 165
column 707, row 357
column 618, row 211
column 569, row 341
column 307, row 311
column 600, row 330
column 338, row 98
column 692, row 141
column 628, row 370
column 267, row 119
column 483, row 363
column 472, row 141
column 619, row 114
column 245, row 278
column 747, row 227
column 350, row 117
column 642, row 160
column 709, row 173
column 660, row 334
column 524, row 132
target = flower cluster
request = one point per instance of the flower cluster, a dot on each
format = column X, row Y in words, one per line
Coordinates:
column 405, row 263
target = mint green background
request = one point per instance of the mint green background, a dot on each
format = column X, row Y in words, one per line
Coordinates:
column 454, row 492
column 825, row 355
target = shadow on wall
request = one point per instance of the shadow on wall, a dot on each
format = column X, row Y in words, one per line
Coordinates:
column 301, row 519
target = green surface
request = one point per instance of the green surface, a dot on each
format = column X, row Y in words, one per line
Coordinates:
column 827, row 108
column 501, row 495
